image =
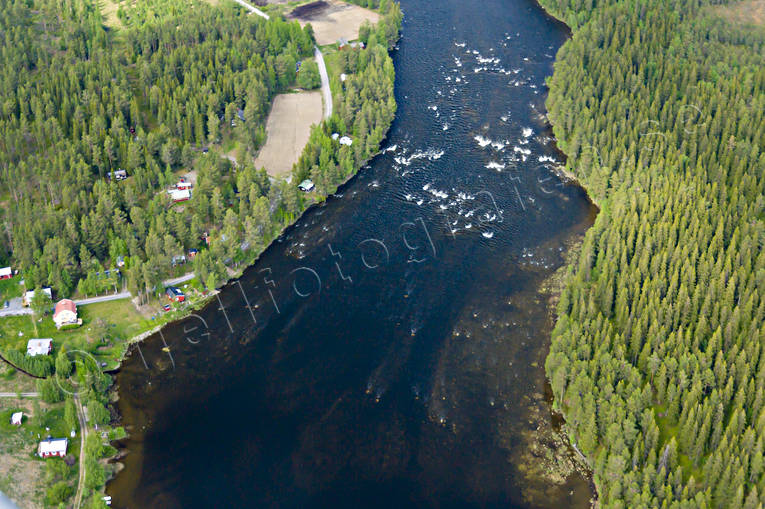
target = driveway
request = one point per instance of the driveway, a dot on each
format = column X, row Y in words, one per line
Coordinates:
column 324, row 82
column 15, row 308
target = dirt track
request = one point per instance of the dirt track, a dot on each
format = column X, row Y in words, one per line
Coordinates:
column 287, row 131
column 333, row 19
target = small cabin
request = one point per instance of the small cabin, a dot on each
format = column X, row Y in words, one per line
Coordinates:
column 16, row 418
column 178, row 195
column 175, row 294
column 6, row 273
column 117, row 175
column 306, row 185
column 29, row 295
column 38, row 346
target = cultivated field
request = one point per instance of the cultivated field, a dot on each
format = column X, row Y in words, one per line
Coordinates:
column 333, row 19
column 287, row 131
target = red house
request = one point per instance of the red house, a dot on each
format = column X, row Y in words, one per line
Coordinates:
column 174, row 294
column 6, row 273
column 52, row 447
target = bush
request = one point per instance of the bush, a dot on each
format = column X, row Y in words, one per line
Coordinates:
column 59, row 492
column 308, row 77
column 98, row 412
column 40, row 365
column 49, row 391
column 56, row 469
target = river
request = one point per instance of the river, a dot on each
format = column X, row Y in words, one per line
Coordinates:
column 388, row 350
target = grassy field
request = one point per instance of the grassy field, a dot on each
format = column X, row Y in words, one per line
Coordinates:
column 106, row 327
column 24, row 476
column 10, row 288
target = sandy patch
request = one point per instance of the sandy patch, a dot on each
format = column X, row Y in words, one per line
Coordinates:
column 109, row 11
column 287, row 131
column 748, row 12
column 332, row 19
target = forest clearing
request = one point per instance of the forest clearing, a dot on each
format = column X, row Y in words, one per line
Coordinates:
column 287, row 130
column 746, row 13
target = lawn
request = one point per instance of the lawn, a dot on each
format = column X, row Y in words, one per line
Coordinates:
column 23, row 473
column 10, row 288
column 105, row 327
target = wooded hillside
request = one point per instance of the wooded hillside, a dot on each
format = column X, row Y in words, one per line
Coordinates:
column 79, row 101
column 657, row 358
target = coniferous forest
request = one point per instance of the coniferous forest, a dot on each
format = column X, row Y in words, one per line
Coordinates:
column 657, row 357
column 81, row 100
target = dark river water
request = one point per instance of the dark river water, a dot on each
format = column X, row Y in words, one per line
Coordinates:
column 388, row 350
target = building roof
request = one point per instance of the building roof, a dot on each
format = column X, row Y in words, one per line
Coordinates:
column 16, row 417
column 39, row 342
column 173, row 290
column 179, row 194
column 5, row 271
column 65, row 305
column 52, row 446
column 38, row 346
column 30, row 294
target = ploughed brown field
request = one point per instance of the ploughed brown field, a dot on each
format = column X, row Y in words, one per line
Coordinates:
column 332, row 19
column 287, row 131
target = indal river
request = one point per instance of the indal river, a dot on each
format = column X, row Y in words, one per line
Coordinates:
column 388, row 350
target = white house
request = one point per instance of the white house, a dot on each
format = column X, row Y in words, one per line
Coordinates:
column 179, row 194
column 344, row 140
column 65, row 313
column 39, row 347
column 28, row 296
column 52, row 447
column 306, row 185
column 6, row 273
column 16, row 418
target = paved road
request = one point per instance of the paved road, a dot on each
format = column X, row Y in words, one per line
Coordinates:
column 176, row 280
column 83, row 435
column 15, row 394
column 253, row 9
column 15, row 308
column 324, row 82
column 127, row 295
column 103, row 298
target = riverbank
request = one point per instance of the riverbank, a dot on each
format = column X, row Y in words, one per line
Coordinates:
column 325, row 187
column 554, row 287
column 132, row 328
column 665, row 432
column 448, row 350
